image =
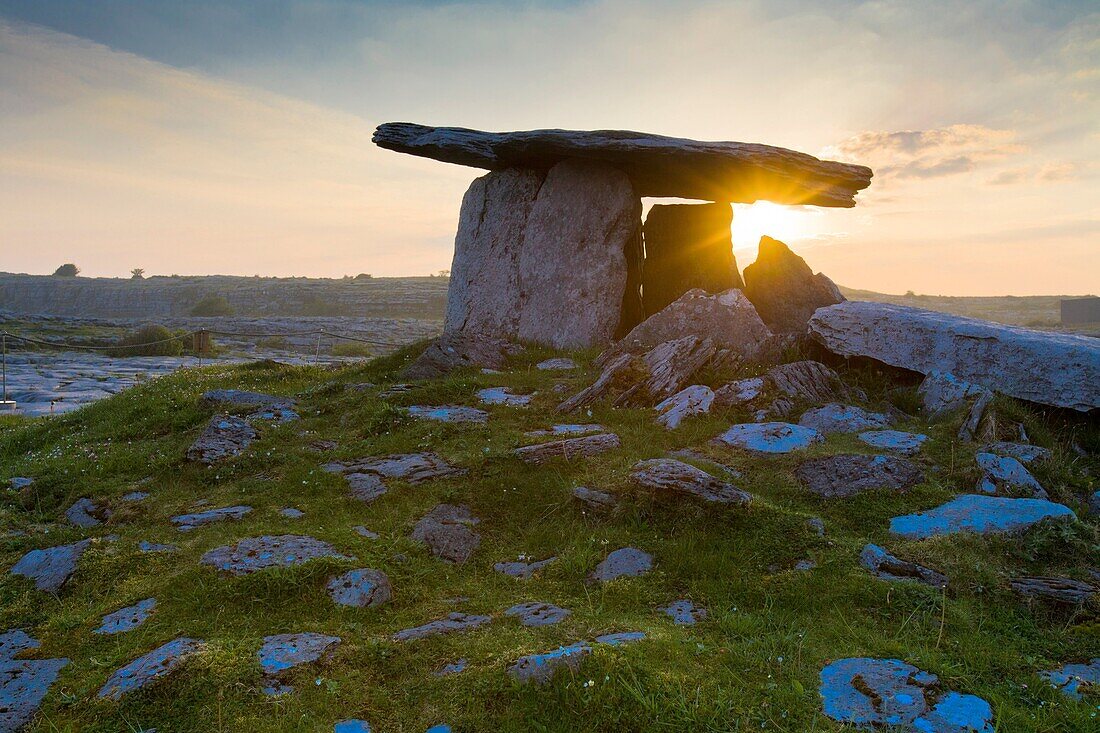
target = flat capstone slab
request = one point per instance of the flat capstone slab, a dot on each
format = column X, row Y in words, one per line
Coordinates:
column 188, row 522
column 259, row 553
column 1070, row 678
column 623, row 563
column 448, row 413
column 503, row 396
column 361, row 588
column 684, row 613
column 522, row 569
column 1022, row 452
column 879, row 692
column 128, row 618
column 23, row 686
column 980, row 514
column 838, row 418
column 538, row 614
column 352, row 725
column 560, row 364
column 451, row 623
column 286, row 651
column 770, row 437
column 150, row 667
column 50, row 568
column 896, row 441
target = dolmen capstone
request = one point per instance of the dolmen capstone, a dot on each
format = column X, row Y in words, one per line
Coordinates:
column 551, row 247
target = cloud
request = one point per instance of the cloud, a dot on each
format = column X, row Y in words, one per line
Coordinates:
column 1048, row 173
column 931, row 153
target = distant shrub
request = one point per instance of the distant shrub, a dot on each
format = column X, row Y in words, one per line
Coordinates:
column 350, row 348
column 67, row 270
column 314, row 305
column 137, row 273
column 140, row 342
column 212, row 305
column 364, row 276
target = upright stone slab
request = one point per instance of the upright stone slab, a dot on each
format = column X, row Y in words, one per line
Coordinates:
column 484, row 292
column 784, row 289
column 573, row 265
column 687, row 246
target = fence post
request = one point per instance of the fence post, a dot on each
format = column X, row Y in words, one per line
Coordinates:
column 4, row 339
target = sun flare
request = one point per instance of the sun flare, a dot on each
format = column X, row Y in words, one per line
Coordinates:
column 785, row 223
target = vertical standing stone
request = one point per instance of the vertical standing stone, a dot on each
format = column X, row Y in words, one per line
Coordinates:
column 687, row 246
column 572, row 265
column 484, row 293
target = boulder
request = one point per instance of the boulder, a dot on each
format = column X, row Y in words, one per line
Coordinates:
column 282, row 652
column 807, row 381
column 253, row 554
column 50, row 568
column 784, row 289
column 522, row 569
column 1022, row 452
column 86, row 513
column 448, row 413
column 658, row 166
column 594, row 499
column 1005, row 473
column 538, row 614
column 127, row 619
column 1055, row 369
column 848, row 474
column 1060, row 590
column 769, row 437
column 540, row 668
column 1073, row 679
column 188, row 522
column 687, row 246
column 894, row 440
column 684, row 612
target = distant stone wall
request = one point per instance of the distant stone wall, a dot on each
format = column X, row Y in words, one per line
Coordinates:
column 162, row 297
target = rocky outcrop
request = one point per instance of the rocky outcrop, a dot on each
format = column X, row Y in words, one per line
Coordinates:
column 1052, row 369
column 687, row 246
column 658, row 166
column 784, row 289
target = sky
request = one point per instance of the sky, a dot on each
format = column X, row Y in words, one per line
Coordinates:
column 234, row 137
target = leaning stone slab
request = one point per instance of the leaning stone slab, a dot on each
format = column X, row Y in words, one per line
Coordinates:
column 86, row 513
column 625, row 562
column 1072, row 678
column 362, row 588
column 242, row 398
column 570, row 448
column 150, row 667
column 894, row 440
column 448, row 413
column 286, row 651
column 412, row 467
column 503, row 396
column 188, row 522
column 1060, row 590
column 1022, row 452
column 23, row 686
column 50, row 568
column 1038, row 366
column 522, row 569
column 869, row 692
column 451, row 623
column 770, row 437
column 1003, row 473
column 446, row 531
column 225, row 436
column 887, row 567
column 128, row 618
column 683, row 612
column 260, row 553
column 845, row 475
column 980, row 514
column 837, row 418
column 666, row 474
column 538, row 614
column 693, row 400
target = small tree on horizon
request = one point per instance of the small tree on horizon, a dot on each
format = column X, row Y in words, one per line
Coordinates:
column 67, row 270
column 137, row 274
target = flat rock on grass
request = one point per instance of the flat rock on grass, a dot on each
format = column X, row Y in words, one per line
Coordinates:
column 50, row 568
column 448, row 413
column 225, row 436
column 980, row 514
column 446, row 531
column 276, row 414
column 887, row 567
column 16, row 641
column 770, row 437
column 684, row 613
column 366, row 487
column 150, row 667
column 566, row 429
column 666, row 474
column 352, row 725
column 693, row 400
column 838, row 418
column 451, row 623
column 896, row 441
column 848, row 474
column 558, row 364
column 594, row 499
column 1005, row 473
column 1022, row 452
column 412, row 467
column 188, row 522
column 361, row 588
column 259, row 553
column 622, row 563
column 540, row 668
column 285, row 651
column 888, row 692
column 538, row 614
column 128, row 618
column 503, row 396
column 23, row 682
column 522, row 569
column 569, row 448
column 86, row 513
column 242, row 398
column 1059, row 590
column 1071, row 678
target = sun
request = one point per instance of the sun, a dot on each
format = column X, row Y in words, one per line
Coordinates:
column 785, row 223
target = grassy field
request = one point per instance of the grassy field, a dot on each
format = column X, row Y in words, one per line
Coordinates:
column 753, row 664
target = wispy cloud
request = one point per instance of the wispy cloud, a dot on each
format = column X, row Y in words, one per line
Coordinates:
column 1048, row 173
column 932, row 153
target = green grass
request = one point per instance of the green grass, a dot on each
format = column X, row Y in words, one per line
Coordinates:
column 751, row 665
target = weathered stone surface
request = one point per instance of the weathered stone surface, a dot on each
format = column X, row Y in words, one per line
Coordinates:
column 784, row 289
column 622, row 563
column 448, row 413
column 224, row 436
column 521, row 568
column 566, row 429
column 837, row 418
column 684, row 612
column 277, row 414
column 451, row 623
column 894, row 440
column 1071, row 678
column 694, row 400
column 14, row 642
column 1094, row 504
column 1022, row 452
column 1039, row 366
column 540, row 668
column 687, row 246
column 415, row 468
column 23, row 686
column 484, row 292
column 254, row 554
column 600, row 500
column 807, row 381
column 980, row 514
column 286, row 651
column 150, row 667
column 503, row 396
column 50, row 568
column 188, row 522
column 557, row 364
column 366, row 487
column 86, row 513
column 1005, row 473
column 569, row 448
column 538, row 614
column 242, row 398
column 362, row 588
column 941, row 393
column 845, row 475
column 740, row 392
column 884, row 565
column 658, row 166
column 1062, row 590
column 888, row 692
column 572, row 267
column 446, row 531
column 456, row 350
column 770, row 437
column 128, row 618
column 665, row 474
